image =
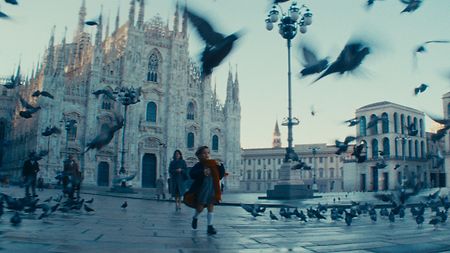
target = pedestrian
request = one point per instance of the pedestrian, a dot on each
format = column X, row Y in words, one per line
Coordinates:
column 205, row 190
column 29, row 174
column 178, row 174
column 160, row 194
column 40, row 183
column 72, row 177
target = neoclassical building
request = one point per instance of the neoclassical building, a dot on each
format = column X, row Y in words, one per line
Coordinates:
column 260, row 166
column 178, row 110
column 446, row 147
column 390, row 137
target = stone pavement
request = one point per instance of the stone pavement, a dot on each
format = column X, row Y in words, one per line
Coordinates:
column 154, row 226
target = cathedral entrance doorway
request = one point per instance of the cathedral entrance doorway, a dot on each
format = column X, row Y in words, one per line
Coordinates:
column 149, row 171
column 103, row 174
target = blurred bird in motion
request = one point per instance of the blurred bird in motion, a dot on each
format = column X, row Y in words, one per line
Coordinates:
column 311, row 64
column 218, row 46
column 348, row 60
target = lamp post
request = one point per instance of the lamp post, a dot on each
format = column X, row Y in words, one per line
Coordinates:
column 403, row 138
column 126, row 96
column 163, row 160
column 314, row 152
column 69, row 124
column 291, row 21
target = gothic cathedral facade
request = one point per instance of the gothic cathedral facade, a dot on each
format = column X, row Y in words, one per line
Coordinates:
column 178, row 109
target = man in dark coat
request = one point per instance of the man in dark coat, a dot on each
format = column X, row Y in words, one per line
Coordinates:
column 29, row 174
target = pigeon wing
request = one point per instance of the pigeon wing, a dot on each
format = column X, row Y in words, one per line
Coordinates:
column 25, row 103
column 309, row 56
column 47, row 94
column 205, row 30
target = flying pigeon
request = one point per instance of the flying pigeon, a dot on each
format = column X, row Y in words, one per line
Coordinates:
column 106, row 135
column 51, row 130
column 42, row 93
column 411, row 5
column 13, row 2
column 311, row 64
column 217, row 45
column 348, row 60
column 353, row 122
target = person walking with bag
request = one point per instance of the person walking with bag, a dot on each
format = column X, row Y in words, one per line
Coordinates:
column 205, row 190
column 178, row 174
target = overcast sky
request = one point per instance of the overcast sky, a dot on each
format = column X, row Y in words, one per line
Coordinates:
column 261, row 56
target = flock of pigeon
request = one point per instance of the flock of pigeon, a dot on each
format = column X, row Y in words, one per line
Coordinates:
column 27, row 207
column 218, row 46
column 438, row 206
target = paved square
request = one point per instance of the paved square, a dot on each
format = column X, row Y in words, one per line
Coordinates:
column 154, row 226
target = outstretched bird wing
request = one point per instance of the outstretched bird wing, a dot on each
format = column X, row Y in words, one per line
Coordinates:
column 47, row 94
column 25, row 103
column 309, row 56
column 205, row 30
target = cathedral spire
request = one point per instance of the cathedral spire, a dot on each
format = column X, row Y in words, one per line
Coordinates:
column 236, row 87
column 98, row 36
column 140, row 22
column 61, row 55
column 185, row 20
column 230, row 85
column 117, row 20
column 18, row 71
column 32, row 73
column 276, row 142
column 81, row 18
column 215, row 92
column 107, row 27
column 50, row 52
column 131, row 14
column 176, row 19
column 38, row 67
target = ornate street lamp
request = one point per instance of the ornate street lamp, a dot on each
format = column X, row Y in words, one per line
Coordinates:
column 296, row 18
column 69, row 125
column 126, row 96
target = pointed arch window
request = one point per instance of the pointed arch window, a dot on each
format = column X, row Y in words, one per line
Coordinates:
column 106, row 105
column 151, row 112
column 190, row 140
column 72, row 133
column 153, row 65
column 362, row 126
column 215, row 143
column 190, row 111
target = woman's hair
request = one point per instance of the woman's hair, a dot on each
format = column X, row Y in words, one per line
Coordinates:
column 200, row 150
column 179, row 152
